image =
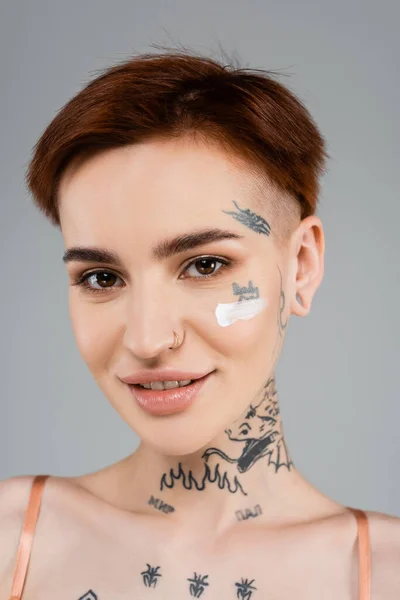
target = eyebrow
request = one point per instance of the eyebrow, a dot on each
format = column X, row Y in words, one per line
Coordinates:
column 162, row 251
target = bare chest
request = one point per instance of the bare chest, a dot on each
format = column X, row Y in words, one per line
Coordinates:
column 96, row 567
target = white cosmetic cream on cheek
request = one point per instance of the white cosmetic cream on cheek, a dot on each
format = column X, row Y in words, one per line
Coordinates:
column 233, row 311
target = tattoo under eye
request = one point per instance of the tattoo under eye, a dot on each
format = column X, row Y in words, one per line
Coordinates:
column 245, row 293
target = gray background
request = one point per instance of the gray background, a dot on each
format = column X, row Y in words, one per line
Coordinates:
column 338, row 373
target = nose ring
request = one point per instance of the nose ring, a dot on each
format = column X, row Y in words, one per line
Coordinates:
column 176, row 341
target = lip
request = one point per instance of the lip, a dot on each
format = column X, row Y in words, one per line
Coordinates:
column 168, row 402
column 147, row 375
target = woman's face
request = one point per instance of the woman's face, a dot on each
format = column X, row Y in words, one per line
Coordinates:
column 130, row 200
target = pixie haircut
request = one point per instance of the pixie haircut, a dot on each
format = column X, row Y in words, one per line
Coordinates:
column 174, row 95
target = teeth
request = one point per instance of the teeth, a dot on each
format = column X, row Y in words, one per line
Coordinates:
column 165, row 385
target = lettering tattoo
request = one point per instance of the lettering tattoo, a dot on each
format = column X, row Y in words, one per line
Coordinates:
column 245, row 589
column 189, row 481
column 261, row 432
column 250, row 219
column 245, row 293
column 243, row 515
column 150, row 576
column 160, row 505
column 198, row 584
column 90, row 595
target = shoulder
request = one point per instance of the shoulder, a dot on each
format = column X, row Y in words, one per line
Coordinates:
column 60, row 523
column 384, row 532
column 14, row 497
column 385, row 554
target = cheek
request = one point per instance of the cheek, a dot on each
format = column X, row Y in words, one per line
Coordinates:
column 94, row 330
column 222, row 324
column 251, row 340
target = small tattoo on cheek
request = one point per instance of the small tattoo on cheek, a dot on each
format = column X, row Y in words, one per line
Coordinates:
column 247, row 513
column 245, row 293
column 248, row 306
column 250, row 219
column 150, row 576
column 160, row 505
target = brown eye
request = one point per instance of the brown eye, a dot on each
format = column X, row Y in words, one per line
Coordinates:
column 205, row 267
column 103, row 278
column 97, row 281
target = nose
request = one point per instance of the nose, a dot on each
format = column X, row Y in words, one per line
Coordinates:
column 150, row 320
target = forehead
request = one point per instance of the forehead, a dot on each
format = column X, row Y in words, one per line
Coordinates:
column 141, row 194
column 159, row 174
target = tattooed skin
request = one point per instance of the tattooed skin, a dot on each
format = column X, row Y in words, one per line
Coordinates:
column 279, row 319
column 160, row 505
column 189, row 481
column 261, row 433
column 90, row 595
column 262, row 437
column 150, row 576
column 245, row 293
column 245, row 589
column 250, row 219
column 198, row 584
column 259, row 430
column 247, row 513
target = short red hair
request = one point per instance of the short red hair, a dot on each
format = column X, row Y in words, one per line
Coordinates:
column 245, row 112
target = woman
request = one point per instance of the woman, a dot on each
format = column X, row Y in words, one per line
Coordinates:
column 186, row 194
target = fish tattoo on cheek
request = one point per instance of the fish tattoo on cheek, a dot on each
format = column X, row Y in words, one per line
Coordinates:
column 248, row 306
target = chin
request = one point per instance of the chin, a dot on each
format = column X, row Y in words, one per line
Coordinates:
column 178, row 440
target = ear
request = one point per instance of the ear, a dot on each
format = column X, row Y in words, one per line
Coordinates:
column 308, row 248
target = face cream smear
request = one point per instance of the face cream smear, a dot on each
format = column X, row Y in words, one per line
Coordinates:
column 233, row 311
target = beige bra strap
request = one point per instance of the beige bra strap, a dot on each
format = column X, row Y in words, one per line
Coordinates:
column 26, row 539
column 364, row 554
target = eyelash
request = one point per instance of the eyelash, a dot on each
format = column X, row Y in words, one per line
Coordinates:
column 82, row 280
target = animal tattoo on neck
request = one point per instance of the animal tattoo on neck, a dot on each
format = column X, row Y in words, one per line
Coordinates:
column 261, row 433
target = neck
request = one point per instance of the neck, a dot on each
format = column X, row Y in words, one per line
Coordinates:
column 245, row 474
